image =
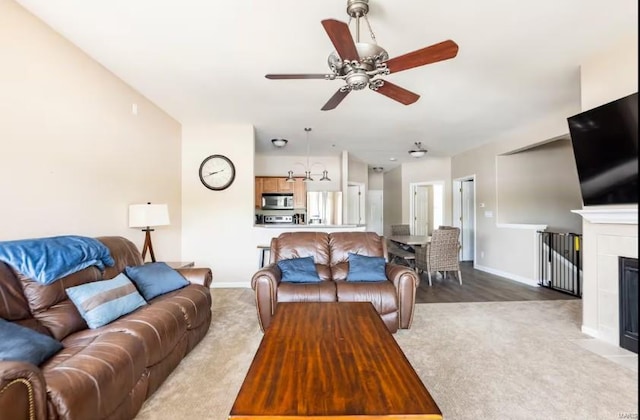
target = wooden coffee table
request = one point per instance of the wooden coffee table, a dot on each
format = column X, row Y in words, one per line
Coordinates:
column 331, row 361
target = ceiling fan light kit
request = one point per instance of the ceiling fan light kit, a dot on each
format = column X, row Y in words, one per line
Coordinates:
column 279, row 143
column 418, row 152
column 360, row 63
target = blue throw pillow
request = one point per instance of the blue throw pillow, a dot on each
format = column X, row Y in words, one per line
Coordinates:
column 363, row 268
column 299, row 270
column 100, row 302
column 18, row 343
column 155, row 279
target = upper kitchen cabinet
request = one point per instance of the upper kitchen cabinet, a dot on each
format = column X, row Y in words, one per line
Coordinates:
column 270, row 185
column 299, row 194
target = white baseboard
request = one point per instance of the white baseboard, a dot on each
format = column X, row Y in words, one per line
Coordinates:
column 590, row 331
column 230, row 285
column 510, row 276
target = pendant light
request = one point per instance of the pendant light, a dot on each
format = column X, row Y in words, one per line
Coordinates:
column 307, row 167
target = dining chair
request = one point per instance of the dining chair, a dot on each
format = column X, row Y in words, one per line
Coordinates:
column 400, row 230
column 441, row 253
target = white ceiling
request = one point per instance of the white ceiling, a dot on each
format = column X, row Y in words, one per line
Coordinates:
column 205, row 60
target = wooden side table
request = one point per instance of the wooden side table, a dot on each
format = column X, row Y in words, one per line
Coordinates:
column 179, row 264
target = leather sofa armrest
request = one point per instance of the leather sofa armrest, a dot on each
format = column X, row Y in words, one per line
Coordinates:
column 265, row 283
column 398, row 274
column 22, row 391
column 406, row 281
column 202, row 276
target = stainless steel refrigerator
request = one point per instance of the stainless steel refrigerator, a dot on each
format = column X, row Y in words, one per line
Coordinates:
column 324, row 207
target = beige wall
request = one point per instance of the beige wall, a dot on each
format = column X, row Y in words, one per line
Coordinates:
column 358, row 172
column 73, row 154
column 376, row 181
column 392, row 199
column 540, row 186
column 506, row 251
column 217, row 229
column 611, row 74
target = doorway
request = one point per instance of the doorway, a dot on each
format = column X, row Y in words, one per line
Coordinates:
column 426, row 206
column 355, row 203
column 464, row 215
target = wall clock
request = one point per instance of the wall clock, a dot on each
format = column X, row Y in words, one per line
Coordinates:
column 217, row 172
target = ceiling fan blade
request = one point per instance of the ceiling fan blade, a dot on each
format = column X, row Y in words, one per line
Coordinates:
column 341, row 38
column 296, row 76
column 397, row 93
column 335, row 100
column 432, row 54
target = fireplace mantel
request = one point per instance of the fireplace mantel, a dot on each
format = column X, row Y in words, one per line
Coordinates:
column 612, row 216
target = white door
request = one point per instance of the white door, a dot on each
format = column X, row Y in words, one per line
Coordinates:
column 355, row 204
column 375, row 216
column 421, row 210
column 468, row 220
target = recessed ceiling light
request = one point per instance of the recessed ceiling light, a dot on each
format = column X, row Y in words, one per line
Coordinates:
column 392, row 159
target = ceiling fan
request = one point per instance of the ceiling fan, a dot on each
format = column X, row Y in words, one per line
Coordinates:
column 359, row 63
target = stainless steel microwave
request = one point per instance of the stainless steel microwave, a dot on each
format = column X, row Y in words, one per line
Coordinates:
column 277, row 201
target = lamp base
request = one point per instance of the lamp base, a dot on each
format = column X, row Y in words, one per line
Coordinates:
column 147, row 245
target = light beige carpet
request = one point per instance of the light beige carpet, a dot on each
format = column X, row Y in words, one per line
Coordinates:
column 487, row 360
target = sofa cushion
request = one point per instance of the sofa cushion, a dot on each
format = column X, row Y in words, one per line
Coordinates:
column 304, row 244
column 93, row 376
column 361, row 243
column 20, row 343
column 160, row 326
column 194, row 302
column 363, row 268
column 155, row 279
column 101, row 302
column 298, row 270
column 381, row 294
column 323, row 291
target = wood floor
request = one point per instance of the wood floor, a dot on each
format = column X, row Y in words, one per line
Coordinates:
column 478, row 286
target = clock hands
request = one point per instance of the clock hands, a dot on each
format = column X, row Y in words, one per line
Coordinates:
column 213, row 173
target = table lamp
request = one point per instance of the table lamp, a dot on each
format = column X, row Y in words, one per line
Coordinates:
column 147, row 216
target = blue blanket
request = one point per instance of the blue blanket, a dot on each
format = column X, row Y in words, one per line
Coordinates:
column 48, row 259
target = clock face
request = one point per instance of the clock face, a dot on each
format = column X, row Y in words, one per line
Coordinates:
column 217, row 172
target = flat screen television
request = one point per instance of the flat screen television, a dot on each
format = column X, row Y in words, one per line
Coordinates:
column 605, row 147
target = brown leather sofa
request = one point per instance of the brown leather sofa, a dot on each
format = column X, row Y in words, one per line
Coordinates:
column 394, row 299
column 104, row 373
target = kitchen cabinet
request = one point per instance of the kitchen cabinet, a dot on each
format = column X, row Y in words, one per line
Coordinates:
column 258, row 192
column 299, row 194
column 271, row 184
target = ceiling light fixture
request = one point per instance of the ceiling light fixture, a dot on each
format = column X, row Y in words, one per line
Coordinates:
column 307, row 167
column 418, row 152
column 279, row 143
column 377, row 169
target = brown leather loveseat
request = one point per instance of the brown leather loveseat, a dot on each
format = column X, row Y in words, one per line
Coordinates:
column 393, row 299
column 103, row 373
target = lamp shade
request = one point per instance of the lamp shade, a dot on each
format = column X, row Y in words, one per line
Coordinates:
column 145, row 215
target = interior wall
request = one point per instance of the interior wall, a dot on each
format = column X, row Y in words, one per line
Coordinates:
column 269, row 165
column 391, row 197
column 540, row 186
column 376, row 181
column 494, row 243
column 74, row 154
column 217, row 227
column 611, row 74
column 358, row 172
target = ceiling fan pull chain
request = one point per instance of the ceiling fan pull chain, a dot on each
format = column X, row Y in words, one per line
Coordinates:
column 373, row 36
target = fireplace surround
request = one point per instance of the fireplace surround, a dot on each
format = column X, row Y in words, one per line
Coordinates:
column 608, row 234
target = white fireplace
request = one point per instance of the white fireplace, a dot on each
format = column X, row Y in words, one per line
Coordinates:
column 608, row 233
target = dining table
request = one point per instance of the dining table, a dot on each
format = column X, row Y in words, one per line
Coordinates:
column 403, row 248
column 412, row 240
